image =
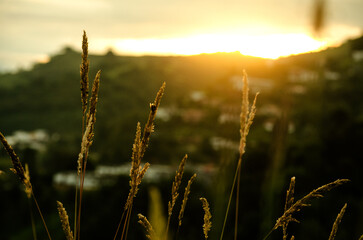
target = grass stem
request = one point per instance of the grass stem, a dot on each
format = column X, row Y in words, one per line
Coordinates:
column 119, row 224
column 230, row 199
column 75, row 211
column 237, row 204
column 41, row 216
column 125, row 223
column 128, row 223
column 32, row 220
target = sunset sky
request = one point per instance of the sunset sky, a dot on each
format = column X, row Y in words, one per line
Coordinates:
column 33, row 29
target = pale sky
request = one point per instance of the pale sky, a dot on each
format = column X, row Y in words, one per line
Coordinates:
column 32, row 29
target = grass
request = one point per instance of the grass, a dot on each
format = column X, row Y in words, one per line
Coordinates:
column 137, row 172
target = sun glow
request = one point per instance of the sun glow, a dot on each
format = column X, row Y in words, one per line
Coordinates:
column 266, row 46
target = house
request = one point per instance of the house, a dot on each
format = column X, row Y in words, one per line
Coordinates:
column 255, row 84
column 299, row 75
column 36, row 140
column 357, row 55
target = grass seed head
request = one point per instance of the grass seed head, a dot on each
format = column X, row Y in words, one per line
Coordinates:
column 176, row 185
column 85, row 145
column 337, row 221
column 91, row 116
column 65, row 221
column 139, row 147
column 28, row 186
column 185, row 199
column 17, row 167
column 305, row 201
column 84, row 69
column 149, row 126
column 288, row 203
column 150, row 233
column 207, row 216
column 247, row 114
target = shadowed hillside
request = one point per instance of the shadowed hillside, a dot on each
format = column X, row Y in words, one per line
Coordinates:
column 309, row 124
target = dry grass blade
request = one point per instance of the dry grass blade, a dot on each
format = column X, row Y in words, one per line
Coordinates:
column 185, row 199
column 149, row 126
column 138, row 150
column 89, row 121
column 361, row 237
column 288, row 203
column 246, row 119
column 290, row 194
column 88, row 134
column 28, row 191
column 207, row 216
column 174, row 191
column 305, row 201
column 337, row 221
column 142, row 173
column 28, row 186
column 136, row 174
column 84, row 82
column 150, row 233
column 65, row 221
column 85, row 145
column 176, row 185
column 18, row 168
column 23, row 176
column 244, row 112
column 84, row 73
column 91, row 116
column 247, row 115
column 251, row 116
column 81, row 169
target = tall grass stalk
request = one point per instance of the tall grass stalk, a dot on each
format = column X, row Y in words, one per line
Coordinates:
column 84, row 71
column 175, row 191
column 337, row 221
column 65, row 221
column 207, row 216
column 150, row 233
column 246, row 120
column 28, row 192
column 34, row 230
column 88, row 123
column 295, row 207
column 23, row 176
column 288, row 203
column 41, row 216
column 185, row 199
column 86, row 144
column 119, row 225
column 137, row 172
column 184, row 203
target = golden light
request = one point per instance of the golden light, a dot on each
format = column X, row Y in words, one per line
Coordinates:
column 266, row 46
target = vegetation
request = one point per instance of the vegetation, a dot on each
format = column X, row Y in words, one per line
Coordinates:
column 218, row 95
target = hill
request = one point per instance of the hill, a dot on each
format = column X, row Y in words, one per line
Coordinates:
column 309, row 121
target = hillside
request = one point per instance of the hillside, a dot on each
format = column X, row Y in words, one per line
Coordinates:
column 309, row 123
